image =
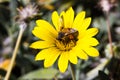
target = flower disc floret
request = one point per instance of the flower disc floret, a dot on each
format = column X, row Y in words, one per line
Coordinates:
column 66, row 39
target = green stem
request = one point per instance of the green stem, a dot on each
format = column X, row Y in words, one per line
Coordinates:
column 14, row 54
column 78, row 67
column 72, row 72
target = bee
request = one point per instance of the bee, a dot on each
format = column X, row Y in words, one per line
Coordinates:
column 67, row 34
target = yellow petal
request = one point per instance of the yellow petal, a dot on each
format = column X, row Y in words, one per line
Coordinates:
column 53, row 55
column 43, row 34
column 44, row 25
column 56, row 20
column 80, row 53
column 91, row 32
column 41, row 44
column 92, row 41
column 86, row 23
column 61, row 20
column 88, row 41
column 62, row 13
column 82, row 34
column 81, row 43
column 44, row 53
column 79, row 20
column 73, row 57
column 68, row 18
column 63, row 61
column 91, row 51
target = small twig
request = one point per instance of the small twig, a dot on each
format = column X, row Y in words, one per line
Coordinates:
column 14, row 54
column 72, row 72
column 55, row 78
column 109, row 32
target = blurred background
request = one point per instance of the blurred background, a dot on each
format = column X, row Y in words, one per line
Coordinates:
column 14, row 12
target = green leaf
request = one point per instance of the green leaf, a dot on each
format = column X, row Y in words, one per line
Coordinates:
column 48, row 73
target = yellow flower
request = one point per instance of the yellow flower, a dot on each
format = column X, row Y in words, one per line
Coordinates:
column 69, row 39
column 5, row 64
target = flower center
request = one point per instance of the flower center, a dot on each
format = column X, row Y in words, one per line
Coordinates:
column 66, row 39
